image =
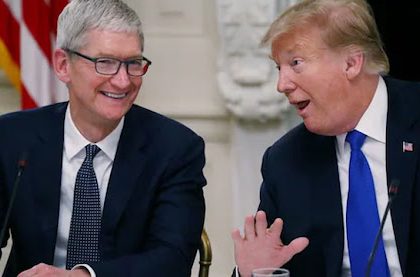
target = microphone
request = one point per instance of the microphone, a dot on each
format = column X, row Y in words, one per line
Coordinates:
column 392, row 192
column 21, row 167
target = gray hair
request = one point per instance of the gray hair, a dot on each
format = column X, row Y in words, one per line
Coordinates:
column 343, row 23
column 81, row 16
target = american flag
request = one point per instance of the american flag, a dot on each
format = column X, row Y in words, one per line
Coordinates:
column 27, row 37
column 407, row 146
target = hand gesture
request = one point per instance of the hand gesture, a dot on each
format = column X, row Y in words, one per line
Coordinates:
column 261, row 247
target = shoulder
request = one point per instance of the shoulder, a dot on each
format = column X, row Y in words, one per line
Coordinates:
column 400, row 90
column 33, row 120
column 29, row 117
column 297, row 140
column 157, row 125
column 403, row 98
column 299, row 145
column 403, row 85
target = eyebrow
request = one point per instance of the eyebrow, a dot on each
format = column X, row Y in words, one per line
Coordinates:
column 101, row 55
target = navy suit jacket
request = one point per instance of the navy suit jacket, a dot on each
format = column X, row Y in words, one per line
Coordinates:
column 154, row 207
column 301, row 186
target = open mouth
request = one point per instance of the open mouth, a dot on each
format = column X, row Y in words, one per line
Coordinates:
column 302, row 105
column 114, row 95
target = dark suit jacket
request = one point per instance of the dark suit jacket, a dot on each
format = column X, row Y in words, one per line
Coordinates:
column 154, row 207
column 301, row 185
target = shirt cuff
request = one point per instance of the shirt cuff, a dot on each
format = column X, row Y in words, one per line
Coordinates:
column 86, row 266
column 237, row 272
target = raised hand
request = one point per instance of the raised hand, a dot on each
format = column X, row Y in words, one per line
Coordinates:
column 261, row 247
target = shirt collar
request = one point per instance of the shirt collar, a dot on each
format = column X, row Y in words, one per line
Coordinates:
column 74, row 141
column 373, row 121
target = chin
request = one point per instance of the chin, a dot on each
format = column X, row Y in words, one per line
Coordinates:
column 114, row 115
column 318, row 129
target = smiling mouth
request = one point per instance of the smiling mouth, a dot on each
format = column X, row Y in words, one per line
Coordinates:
column 114, row 95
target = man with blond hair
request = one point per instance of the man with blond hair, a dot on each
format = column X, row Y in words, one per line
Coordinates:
column 327, row 179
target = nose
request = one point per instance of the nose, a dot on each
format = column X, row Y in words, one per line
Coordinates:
column 284, row 83
column 121, row 79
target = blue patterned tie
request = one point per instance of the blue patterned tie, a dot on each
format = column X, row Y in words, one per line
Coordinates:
column 362, row 213
column 85, row 223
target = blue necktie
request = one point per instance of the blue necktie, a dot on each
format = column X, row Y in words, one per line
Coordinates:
column 362, row 213
column 85, row 226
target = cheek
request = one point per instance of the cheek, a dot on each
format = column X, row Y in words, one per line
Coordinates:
column 88, row 81
column 137, row 84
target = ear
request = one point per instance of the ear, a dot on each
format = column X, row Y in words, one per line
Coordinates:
column 61, row 65
column 355, row 60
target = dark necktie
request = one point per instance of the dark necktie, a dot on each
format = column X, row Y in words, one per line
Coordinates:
column 85, row 223
column 362, row 213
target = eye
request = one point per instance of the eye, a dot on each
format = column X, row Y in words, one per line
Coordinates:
column 105, row 61
column 136, row 64
column 295, row 62
column 134, row 61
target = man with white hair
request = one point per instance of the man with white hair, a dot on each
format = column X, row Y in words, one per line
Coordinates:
column 110, row 188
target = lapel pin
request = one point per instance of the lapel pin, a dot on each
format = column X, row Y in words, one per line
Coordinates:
column 407, row 147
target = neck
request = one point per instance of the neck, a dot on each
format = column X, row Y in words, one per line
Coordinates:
column 93, row 129
column 95, row 133
column 364, row 90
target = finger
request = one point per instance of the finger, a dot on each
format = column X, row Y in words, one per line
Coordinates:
column 288, row 251
column 249, row 228
column 260, row 223
column 297, row 245
column 236, row 236
column 276, row 228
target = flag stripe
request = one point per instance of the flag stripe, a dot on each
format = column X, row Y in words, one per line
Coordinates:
column 15, row 8
column 26, row 100
column 36, row 75
column 56, row 7
column 9, row 31
column 36, row 15
column 27, row 34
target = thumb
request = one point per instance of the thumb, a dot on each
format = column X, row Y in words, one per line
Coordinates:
column 298, row 245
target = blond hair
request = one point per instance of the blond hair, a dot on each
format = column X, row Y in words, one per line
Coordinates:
column 343, row 23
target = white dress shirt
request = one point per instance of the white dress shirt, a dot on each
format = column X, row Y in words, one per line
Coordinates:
column 73, row 156
column 373, row 125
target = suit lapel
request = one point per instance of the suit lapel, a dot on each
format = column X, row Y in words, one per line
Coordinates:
column 329, row 212
column 43, row 175
column 402, row 126
column 127, row 167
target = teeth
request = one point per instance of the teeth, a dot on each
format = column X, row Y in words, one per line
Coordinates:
column 115, row 96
